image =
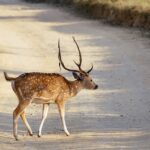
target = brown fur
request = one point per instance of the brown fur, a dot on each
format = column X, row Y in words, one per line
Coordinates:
column 32, row 85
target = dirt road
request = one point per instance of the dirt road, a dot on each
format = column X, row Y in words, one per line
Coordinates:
column 116, row 116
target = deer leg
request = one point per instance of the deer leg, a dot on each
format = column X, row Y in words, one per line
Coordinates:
column 23, row 117
column 61, row 108
column 44, row 116
column 17, row 112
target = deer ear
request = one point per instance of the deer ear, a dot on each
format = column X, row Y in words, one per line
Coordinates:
column 76, row 76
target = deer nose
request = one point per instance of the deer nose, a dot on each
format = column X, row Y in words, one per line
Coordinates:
column 96, row 87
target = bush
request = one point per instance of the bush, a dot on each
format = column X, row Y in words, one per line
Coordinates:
column 134, row 13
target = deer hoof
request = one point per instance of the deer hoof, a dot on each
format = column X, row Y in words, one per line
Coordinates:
column 67, row 133
column 30, row 133
column 39, row 135
column 16, row 138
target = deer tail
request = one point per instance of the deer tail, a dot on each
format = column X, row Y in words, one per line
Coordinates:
column 8, row 78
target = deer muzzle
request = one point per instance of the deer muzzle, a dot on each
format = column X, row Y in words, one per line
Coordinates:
column 96, row 87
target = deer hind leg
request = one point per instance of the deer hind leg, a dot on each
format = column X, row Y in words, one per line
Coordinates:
column 44, row 116
column 61, row 108
column 23, row 117
column 17, row 112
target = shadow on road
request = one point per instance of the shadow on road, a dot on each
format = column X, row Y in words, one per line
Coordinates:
column 116, row 116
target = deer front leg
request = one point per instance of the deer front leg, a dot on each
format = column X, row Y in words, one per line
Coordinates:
column 61, row 108
column 44, row 116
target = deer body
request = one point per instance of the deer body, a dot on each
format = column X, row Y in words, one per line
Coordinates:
column 46, row 88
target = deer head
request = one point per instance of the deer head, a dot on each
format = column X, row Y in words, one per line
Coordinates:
column 80, row 74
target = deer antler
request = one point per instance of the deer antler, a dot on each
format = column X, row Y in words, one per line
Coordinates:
column 90, row 69
column 80, row 55
column 78, row 64
column 61, row 62
column 80, row 58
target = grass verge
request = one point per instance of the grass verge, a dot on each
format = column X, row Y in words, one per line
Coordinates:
column 133, row 13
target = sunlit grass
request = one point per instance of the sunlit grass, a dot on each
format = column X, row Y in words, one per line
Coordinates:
column 141, row 4
column 133, row 13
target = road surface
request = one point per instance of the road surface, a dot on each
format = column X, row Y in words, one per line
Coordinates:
column 114, row 117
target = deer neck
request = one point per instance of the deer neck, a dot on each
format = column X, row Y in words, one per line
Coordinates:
column 75, row 87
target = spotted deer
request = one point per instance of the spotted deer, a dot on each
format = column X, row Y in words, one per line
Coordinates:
column 46, row 88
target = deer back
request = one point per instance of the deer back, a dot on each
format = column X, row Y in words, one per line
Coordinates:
column 41, row 87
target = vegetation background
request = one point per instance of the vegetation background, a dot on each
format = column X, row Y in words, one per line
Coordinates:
column 133, row 13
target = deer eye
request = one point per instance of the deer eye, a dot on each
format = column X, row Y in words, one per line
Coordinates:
column 91, row 80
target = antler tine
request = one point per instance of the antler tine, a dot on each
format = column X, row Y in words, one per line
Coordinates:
column 60, row 59
column 80, row 55
column 90, row 69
